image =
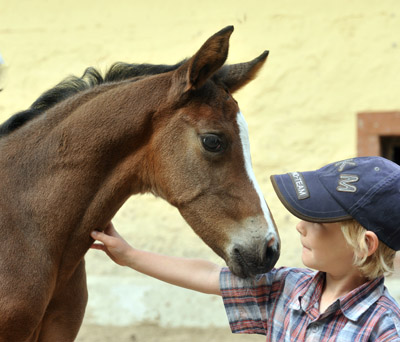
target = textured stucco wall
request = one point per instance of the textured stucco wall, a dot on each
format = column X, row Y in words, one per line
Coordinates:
column 328, row 61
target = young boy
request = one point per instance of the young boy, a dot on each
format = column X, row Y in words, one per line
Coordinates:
column 350, row 230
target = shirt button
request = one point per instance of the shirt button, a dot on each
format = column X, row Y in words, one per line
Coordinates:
column 315, row 328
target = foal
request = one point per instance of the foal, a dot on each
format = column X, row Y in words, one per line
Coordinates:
column 69, row 162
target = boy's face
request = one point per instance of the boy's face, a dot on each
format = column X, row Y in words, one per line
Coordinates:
column 325, row 248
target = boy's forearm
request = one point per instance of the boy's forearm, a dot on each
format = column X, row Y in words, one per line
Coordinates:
column 195, row 274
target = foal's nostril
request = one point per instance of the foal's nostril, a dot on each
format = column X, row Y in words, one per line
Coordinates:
column 271, row 241
column 239, row 256
column 271, row 256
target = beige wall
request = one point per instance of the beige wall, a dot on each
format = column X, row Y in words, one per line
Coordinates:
column 328, row 61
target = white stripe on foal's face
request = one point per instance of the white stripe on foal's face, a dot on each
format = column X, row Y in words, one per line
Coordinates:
column 244, row 138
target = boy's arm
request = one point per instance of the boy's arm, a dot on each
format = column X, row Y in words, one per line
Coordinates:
column 195, row 274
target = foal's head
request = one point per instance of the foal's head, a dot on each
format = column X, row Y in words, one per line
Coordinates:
column 201, row 159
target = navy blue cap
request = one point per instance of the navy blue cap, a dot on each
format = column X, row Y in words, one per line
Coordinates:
column 366, row 189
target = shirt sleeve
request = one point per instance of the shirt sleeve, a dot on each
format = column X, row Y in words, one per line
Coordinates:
column 248, row 302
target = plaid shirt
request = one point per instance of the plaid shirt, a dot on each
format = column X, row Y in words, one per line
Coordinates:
column 284, row 305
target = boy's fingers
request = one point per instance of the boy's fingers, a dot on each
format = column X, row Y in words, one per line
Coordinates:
column 110, row 230
column 97, row 246
column 94, row 234
column 99, row 236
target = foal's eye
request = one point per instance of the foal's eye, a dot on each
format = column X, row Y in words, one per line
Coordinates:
column 212, row 143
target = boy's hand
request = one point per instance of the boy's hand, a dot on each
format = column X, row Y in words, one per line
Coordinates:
column 112, row 244
column 194, row 274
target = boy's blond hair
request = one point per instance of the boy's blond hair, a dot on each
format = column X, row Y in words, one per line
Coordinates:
column 379, row 263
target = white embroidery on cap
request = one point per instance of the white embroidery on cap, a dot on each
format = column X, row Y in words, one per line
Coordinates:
column 342, row 164
column 344, row 183
column 299, row 185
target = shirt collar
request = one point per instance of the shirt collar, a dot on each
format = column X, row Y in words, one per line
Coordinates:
column 358, row 301
column 308, row 293
column 353, row 305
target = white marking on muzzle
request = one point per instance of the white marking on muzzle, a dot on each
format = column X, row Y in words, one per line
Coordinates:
column 244, row 137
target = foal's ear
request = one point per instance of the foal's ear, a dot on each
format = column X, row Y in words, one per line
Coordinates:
column 236, row 76
column 210, row 57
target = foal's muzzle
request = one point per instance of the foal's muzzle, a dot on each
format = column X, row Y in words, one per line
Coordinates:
column 248, row 261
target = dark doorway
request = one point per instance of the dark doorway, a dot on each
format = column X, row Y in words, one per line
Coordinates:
column 390, row 148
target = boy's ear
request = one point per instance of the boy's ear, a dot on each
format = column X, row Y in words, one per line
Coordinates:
column 372, row 242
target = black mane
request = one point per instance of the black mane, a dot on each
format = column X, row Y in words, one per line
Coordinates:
column 73, row 85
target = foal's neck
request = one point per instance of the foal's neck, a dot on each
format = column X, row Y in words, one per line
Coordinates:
column 115, row 127
column 80, row 169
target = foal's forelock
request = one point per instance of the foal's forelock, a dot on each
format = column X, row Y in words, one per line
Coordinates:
column 244, row 138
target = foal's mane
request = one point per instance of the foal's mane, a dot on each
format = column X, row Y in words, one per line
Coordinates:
column 73, row 85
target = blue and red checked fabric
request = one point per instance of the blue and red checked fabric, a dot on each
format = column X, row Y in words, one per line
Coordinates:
column 283, row 305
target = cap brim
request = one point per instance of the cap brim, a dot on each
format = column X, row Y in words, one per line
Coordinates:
column 317, row 206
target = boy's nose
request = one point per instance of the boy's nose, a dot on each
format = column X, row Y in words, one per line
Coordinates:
column 300, row 228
